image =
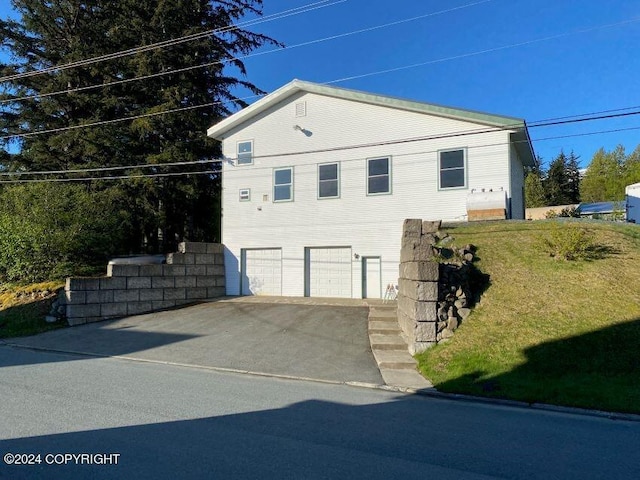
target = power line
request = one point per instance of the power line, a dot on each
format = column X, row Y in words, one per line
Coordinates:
column 481, row 52
column 243, row 57
column 181, row 109
column 176, row 41
column 254, row 168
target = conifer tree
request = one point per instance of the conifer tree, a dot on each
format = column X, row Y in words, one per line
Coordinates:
column 49, row 34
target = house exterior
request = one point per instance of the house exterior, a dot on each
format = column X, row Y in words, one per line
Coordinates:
column 317, row 181
column 632, row 193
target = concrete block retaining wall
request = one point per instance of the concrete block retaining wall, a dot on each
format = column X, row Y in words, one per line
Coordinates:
column 418, row 285
column 194, row 273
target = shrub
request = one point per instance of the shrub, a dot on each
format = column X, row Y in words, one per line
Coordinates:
column 49, row 231
column 568, row 241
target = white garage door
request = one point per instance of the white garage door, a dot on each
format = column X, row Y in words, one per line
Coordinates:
column 262, row 271
column 329, row 272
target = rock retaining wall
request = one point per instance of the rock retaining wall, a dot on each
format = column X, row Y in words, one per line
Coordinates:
column 433, row 286
column 194, row 273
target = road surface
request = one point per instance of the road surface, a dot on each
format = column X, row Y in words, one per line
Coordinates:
column 149, row 420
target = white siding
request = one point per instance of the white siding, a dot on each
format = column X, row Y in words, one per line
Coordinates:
column 370, row 225
column 633, row 203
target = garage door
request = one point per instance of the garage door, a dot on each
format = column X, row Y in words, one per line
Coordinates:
column 329, row 272
column 262, row 271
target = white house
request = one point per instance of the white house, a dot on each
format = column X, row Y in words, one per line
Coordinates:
column 633, row 203
column 317, row 181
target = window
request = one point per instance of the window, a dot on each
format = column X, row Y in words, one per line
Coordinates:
column 328, row 181
column 283, row 184
column 378, row 176
column 245, row 153
column 452, row 169
column 245, row 194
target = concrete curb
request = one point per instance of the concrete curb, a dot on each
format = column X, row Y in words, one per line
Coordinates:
column 424, row 392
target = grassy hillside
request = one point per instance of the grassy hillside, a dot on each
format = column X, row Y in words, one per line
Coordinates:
column 548, row 330
column 23, row 308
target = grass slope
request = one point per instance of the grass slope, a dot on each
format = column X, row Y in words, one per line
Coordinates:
column 23, row 308
column 547, row 330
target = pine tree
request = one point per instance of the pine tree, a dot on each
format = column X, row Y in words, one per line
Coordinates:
column 572, row 174
column 56, row 33
column 556, row 181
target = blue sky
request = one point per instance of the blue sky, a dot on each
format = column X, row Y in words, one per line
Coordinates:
column 574, row 74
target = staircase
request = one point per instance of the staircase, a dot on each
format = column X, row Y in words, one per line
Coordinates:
column 398, row 368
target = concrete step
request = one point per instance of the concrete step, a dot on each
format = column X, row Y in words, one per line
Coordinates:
column 387, row 341
column 392, row 359
column 405, row 379
column 376, row 313
column 383, row 327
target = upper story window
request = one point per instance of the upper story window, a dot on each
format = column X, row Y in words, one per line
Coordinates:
column 378, row 176
column 244, row 152
column 283, row 184
column 451, row 166
column 328, row 180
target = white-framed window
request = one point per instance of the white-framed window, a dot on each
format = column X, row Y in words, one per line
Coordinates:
column 244, row 152
column 452, row 168
column 283, row 184
column 378, row 176
column 245, row 194
column 328, row 180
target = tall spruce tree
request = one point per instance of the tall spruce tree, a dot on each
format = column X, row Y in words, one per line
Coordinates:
column 573, row 177
column 49, row 34
column 556, row 181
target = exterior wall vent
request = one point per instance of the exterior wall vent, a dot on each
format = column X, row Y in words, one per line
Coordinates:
column 301, row 109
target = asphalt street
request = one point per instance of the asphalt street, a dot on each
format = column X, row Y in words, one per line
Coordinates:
column 167, row 421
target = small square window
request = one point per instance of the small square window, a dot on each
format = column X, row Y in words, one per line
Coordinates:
column 328, row 180
column 245, row 153
column 283, row 184
column 245, row 194
column 378, row 176
column 451, row 165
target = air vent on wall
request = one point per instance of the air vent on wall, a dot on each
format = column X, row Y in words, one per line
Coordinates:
column 301, row 109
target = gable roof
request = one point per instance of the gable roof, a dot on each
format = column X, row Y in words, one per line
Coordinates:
column 517, row 125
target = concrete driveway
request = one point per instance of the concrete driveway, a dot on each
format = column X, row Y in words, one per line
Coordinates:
column 319, row 339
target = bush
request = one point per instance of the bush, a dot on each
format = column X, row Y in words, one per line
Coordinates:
column 568, row 241
column 49, row 231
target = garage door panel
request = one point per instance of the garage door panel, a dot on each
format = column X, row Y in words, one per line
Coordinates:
column 262, row 272
column 329, row 272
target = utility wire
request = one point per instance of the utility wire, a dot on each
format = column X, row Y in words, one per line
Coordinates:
column 243, row 57
column 488, row 50
column 175, row 41
column 181, row 109
column 253, row 168
column 540, row 123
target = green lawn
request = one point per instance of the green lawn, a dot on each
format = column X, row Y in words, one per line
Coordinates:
column 23, row 308
column 547, row 330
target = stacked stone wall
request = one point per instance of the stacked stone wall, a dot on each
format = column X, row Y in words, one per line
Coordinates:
column 194, row 273
column 418, row 285
column 434, row 288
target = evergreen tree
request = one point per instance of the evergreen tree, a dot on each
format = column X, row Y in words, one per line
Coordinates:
column 556, row 181
column 534, row 190
column 572, row 174
column 50, row 34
